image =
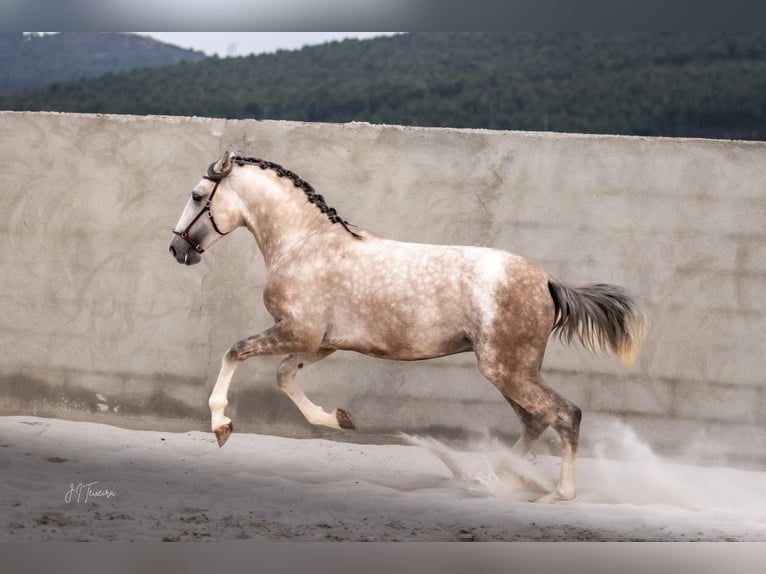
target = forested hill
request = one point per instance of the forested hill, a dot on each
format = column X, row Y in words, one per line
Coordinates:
column 671, row 84
column 30, row 61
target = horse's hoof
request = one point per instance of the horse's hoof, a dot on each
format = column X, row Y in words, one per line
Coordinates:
column 556, row 496
column 344, row 419
column 223, row 432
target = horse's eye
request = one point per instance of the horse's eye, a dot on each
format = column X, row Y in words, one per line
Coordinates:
column 196, row 196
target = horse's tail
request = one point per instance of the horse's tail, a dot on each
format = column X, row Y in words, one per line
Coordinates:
column 602, row 316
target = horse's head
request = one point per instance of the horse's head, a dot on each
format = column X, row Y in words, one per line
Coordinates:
column 211, row 212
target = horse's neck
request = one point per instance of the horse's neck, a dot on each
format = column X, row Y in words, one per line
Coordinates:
column 277, row 213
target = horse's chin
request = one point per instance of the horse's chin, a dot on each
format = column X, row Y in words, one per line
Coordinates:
column 191, row 258
column 186, row 257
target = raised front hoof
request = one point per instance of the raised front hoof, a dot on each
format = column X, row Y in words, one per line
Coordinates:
column 344, row 419
column 223, row 432
column 557, row 496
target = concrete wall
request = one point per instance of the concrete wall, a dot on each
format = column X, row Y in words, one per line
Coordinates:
column 98, row 322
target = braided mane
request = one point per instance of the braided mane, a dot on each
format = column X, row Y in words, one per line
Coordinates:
column 301, row 184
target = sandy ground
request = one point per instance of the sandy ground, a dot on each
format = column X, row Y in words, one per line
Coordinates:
column 76, row 481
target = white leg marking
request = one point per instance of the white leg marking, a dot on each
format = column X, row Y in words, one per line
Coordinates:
column 313, row 413
column 219, row 397
column 566, row 487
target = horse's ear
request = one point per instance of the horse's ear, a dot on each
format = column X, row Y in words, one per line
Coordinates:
column 223, row 166
column 226, row 161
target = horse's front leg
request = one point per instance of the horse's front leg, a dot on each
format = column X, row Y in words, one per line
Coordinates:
column 314, row 414
column 281, row 339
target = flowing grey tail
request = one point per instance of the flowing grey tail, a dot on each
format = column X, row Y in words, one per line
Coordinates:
column 602, row 316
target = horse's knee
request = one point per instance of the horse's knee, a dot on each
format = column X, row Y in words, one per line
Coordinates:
column 235, row 354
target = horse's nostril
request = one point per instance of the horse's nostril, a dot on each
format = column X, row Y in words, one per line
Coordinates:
column 172, row 251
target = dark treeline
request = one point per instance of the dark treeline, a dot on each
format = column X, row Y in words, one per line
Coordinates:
column 30, row 61
column 661, row 84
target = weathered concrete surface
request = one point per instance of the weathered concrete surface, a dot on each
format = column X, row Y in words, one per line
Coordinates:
column 98, row 322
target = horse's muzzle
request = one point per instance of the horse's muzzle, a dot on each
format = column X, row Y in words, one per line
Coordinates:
column 183, row 253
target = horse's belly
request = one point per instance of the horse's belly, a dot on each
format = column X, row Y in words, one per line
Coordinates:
column 410, row 344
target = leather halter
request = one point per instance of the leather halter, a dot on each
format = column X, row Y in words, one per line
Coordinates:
column 211, row 175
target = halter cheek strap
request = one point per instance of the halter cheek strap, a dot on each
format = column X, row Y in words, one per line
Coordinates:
column 211, row 176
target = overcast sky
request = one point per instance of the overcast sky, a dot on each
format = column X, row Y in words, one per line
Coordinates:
column 244, row 43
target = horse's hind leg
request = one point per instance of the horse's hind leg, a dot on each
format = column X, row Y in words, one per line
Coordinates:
column 313, row 413
column 544, row 407
column 566, row 422
column 533, row 427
